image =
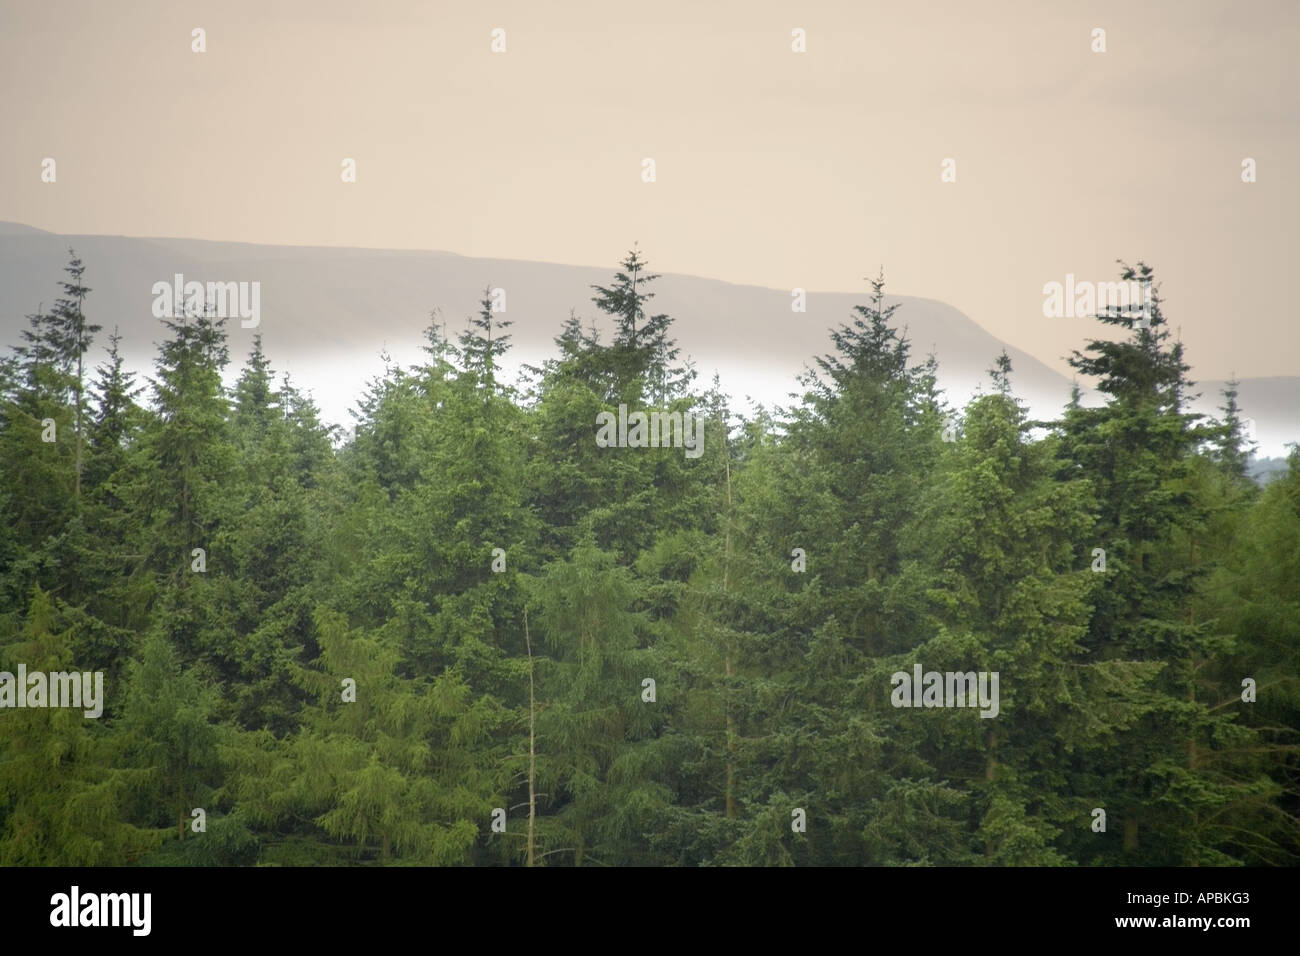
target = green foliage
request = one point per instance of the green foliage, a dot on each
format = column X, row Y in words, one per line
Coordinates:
column 464, row 607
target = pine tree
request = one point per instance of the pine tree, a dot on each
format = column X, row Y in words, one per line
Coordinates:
column 75, row 336
column 116, row 420
column 167, row 723
column 641, row 354
column 183, row 465
column 387, row 769
column 256, row 402
column 1001, row 537
column 40, row 413
column 1138, row 453
column 1230, row 446
column 483, row 344
column 1253, row 597
column 62, row 793
column 597, row 762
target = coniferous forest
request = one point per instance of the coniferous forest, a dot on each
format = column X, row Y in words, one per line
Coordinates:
column 468, row 633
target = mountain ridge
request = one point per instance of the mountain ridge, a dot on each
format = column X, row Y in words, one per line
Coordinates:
column 324, row 307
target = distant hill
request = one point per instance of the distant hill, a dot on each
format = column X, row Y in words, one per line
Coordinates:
column 18, row 229
column 327, row 312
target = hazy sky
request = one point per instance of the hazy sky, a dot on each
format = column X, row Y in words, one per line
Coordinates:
column 773, row 167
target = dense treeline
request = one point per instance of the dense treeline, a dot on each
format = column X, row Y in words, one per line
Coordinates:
column 323, row 650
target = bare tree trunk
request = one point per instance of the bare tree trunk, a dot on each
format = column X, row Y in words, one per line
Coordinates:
column 81, row 334
column 532, row 745
column 80, row 374
column 726, row 581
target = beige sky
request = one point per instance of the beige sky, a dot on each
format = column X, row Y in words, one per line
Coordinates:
column 773, row 168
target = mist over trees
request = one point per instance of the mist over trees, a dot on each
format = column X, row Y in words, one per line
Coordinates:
column 358, row 652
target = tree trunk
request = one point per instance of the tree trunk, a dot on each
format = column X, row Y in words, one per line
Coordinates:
column 726, row 580
column 532, row 745
column 80, row 374
column 990, row 771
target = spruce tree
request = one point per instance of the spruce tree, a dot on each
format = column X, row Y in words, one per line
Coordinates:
column 1138, row 453
column 63, row 793
column 74, row 336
